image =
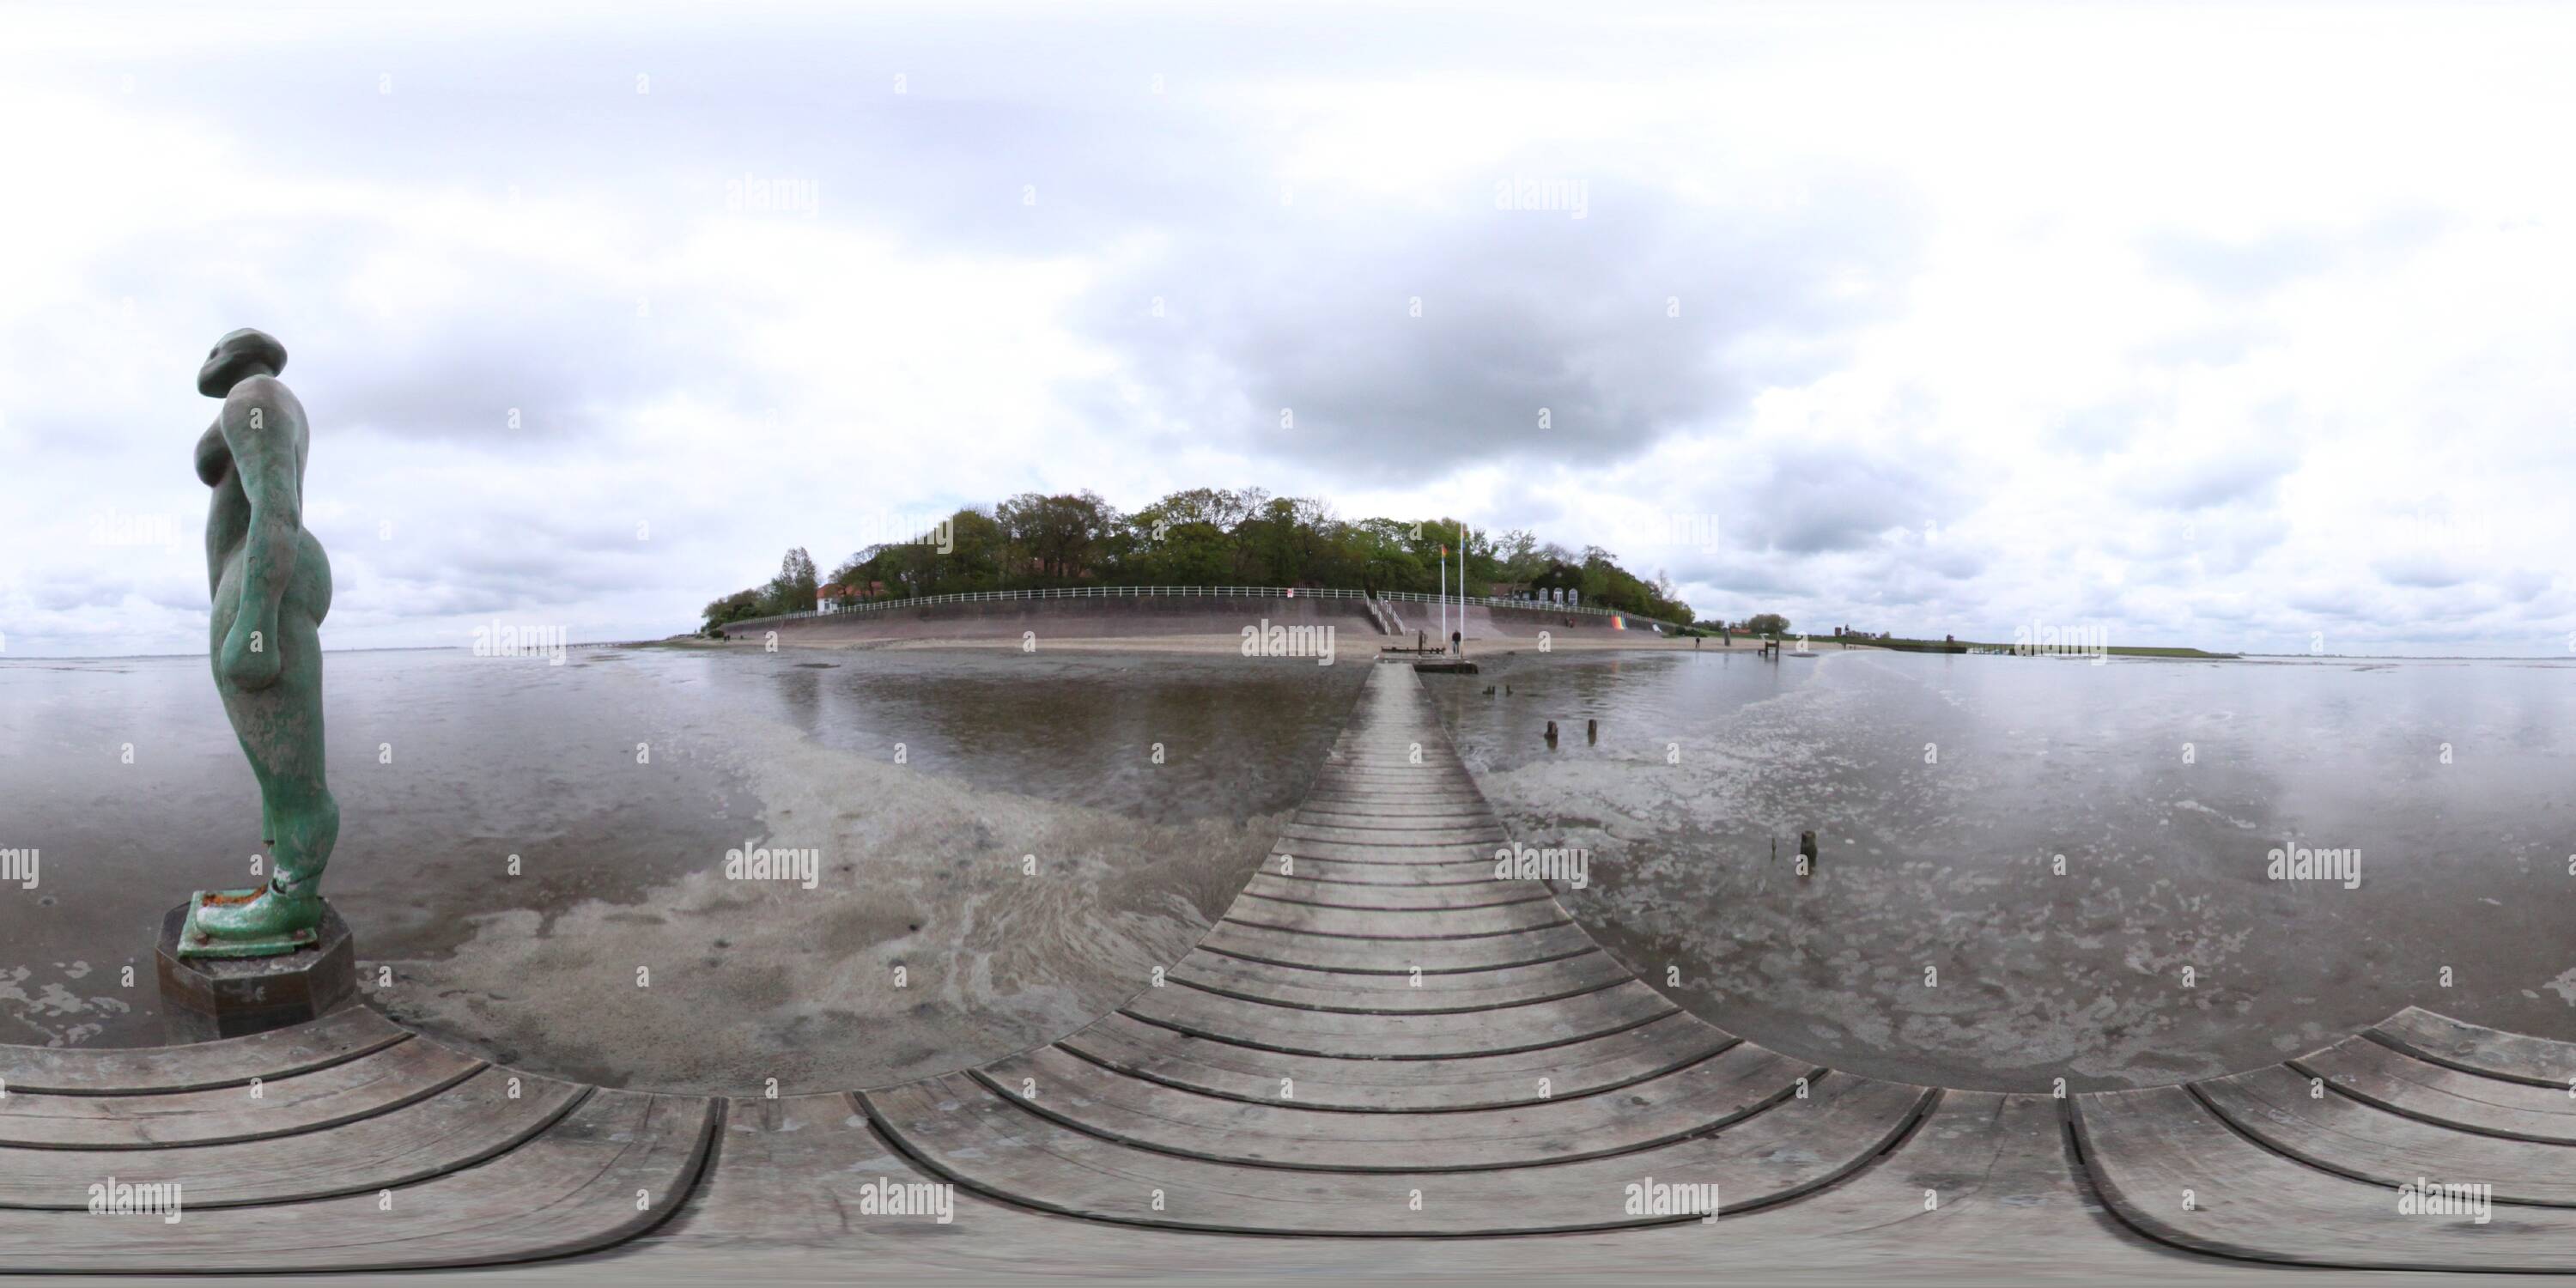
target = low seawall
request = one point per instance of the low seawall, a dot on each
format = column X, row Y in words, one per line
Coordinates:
column 1148, row 616
column 1487, row 623
column 1104, row 618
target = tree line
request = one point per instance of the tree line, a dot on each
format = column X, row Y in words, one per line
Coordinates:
column 1199, row 537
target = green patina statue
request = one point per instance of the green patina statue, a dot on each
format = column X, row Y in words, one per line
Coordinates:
column 272, row 586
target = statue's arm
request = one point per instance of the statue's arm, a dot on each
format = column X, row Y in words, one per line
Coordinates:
column 262, row 425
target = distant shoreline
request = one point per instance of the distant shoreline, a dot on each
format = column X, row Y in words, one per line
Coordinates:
column 2021, row 650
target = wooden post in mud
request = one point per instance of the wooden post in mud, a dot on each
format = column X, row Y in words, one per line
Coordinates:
column 1551, row 733
column 1807, row 849
column 1592, row 731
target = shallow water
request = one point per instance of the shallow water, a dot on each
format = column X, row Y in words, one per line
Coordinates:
column 1024, row 864
column 1945, row 787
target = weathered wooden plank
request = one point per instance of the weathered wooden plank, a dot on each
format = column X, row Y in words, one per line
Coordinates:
column 371, row 1084
column 809, row 1171
column 1391, row 814
column 1490, row 894
column 1344, row 795
column 1299, row 867
column 2515, row 1057
column 1701, row 1097
column 1449, row 788
column 344, row 1034
column 2297, row 1116
column 1383, row 854
column 1432, row 1036
column 1394, row 956
column 963, row 1129
column 1407, row 924
column 2400, row 1083
column 573, row 1188
column 1980, row 1189
column 2170, row 1167
column 1167, row 1056
column 1439, row 770
column 1483, row 834
column 465, row 1125
column 1399, row 994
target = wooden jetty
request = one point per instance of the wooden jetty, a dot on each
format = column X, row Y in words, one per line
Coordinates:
column 1379, row 1040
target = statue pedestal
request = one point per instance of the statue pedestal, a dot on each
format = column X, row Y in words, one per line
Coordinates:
column 203, row 998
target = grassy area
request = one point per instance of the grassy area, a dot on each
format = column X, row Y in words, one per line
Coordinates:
column 1962, row 646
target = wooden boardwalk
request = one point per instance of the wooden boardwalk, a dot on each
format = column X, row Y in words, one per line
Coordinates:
column 1378, row 1039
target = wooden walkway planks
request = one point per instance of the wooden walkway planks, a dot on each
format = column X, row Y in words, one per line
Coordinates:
column 963, row 1129
column 1489, row 917
column 483, row 1117
column 1324, row 990
column 2337, row 1133
column 1439, row 1035
column 381, row 1080
column 1278, row 946
column 613, row 1168
column 1398, row 898
column 2175, row 1170
column 1697, row 1098
column 2473, row 1049
column 1377, row 1015
column 1325, row 870
column 2439, row 1094
column 1360, row 1085
column 809, row 1170
column 2325, row 1160
column 344, row 1034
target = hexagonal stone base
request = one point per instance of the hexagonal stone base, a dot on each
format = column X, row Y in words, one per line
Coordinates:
column 203, row 998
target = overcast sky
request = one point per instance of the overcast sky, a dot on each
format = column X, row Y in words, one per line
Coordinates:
column 2223, row 326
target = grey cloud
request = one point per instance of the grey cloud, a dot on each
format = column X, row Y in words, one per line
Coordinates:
column 2238, row 269
column 1522, row 310
column 2210, row 346
column 566, row 352
column 2203, row 482
column 1822, row 496
column 2420, row 570
column 2110, row 426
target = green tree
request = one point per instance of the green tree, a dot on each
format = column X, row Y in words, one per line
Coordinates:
column 731, row 608
column 792, row 590
column 1056, row 539
column 1207, row 537
column 1766, row 624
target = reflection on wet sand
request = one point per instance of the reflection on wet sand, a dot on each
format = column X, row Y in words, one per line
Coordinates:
column 1944, row 791
column 1005, row 830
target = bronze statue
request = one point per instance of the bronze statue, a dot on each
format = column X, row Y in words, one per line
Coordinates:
column 272, row 586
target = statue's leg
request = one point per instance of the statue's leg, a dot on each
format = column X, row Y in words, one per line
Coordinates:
column 281, row 731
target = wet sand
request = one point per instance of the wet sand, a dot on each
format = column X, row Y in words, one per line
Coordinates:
column 1008, row 763
column 947, row 925
column 1938, row 942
